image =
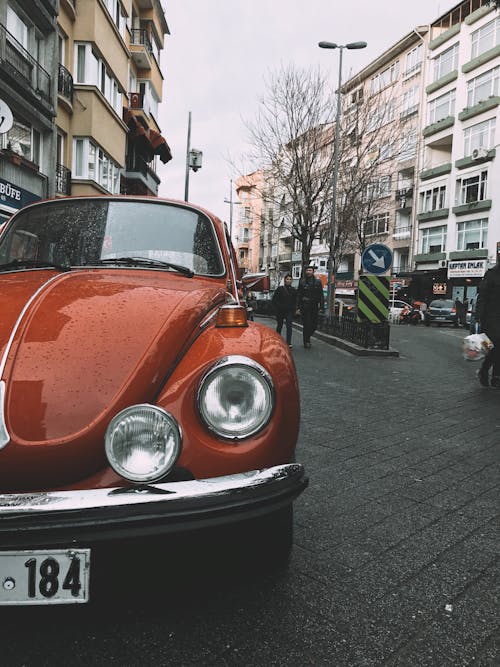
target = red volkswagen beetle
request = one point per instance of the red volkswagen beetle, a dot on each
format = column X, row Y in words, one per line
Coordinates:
column 136, row 400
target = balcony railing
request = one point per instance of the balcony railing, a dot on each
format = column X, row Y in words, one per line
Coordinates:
column 402, row 232
column 139, row 164
column 16, row 61
column 139, row 37
column 63, row 180
column 65, row 83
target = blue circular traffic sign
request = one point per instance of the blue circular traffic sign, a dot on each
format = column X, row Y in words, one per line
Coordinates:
column 376, row 259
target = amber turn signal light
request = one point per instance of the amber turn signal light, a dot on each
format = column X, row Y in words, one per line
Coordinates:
column 231, row 316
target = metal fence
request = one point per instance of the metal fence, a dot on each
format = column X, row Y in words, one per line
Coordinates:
column 373, row 336
column 369, row 335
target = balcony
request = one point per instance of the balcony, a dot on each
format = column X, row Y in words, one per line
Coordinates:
column 141, row 48
column 65, row 84
column 402, row 232
column 404, row 197
column 63, row 180
column 139, row 178
column 22, row 69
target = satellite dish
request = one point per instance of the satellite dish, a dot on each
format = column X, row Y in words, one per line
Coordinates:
column 6, row 118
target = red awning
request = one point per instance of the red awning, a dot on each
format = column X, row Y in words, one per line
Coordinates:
column 160, row 146
column 135, row 126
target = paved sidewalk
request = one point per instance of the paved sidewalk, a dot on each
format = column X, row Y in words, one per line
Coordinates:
column 398, row 534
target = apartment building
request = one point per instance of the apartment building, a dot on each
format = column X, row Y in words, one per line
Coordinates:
column 458, row 233
column 28, row 72
column 109, row 88
column 249, row 217
column 390, row 89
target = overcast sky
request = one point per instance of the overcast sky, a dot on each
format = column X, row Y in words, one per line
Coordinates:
column 219, row 53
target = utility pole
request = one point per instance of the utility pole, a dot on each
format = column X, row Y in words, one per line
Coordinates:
column 188, row 149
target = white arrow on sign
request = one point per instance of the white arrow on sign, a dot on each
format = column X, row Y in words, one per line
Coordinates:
column 378, row 261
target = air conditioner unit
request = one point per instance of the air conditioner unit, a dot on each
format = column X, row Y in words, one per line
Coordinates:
column 479, row 153
column 443, row 263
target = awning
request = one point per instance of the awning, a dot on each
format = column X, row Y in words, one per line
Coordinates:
column 135, row 126
column 160, row 146
column 156, row 143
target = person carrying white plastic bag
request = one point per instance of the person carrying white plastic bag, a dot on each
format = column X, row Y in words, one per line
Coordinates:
column 476, row 346
column 488, row 315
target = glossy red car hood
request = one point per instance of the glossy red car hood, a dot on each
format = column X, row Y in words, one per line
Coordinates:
column 89, row 344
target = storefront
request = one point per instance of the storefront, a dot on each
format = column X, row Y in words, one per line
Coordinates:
column 464, row 277
column 12, row 198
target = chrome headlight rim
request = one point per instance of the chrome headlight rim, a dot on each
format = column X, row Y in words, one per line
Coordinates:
column 235, row 361
column 173, row 458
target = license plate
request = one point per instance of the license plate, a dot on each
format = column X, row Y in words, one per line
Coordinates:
column 440, row 317
column 58, row 576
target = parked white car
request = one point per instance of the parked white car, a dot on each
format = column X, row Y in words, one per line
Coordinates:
column 395, row 308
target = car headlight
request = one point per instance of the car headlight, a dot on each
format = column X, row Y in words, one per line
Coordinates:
column 236, row 397
column 143, row 442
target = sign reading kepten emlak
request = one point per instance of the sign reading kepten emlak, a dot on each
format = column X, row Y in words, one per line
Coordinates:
column 467, row 268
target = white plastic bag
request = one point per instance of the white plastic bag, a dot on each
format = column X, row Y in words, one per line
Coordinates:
column 476, row 346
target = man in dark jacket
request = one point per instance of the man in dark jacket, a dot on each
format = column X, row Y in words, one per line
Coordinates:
column 285, row 304
column 488, row 315
column 310, row 301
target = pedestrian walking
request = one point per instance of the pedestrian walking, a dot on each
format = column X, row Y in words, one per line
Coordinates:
column 488, row 316
column 310, row 300
column 285, row 305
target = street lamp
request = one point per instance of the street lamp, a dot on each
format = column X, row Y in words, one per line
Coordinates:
column 231, row 203
column 341, row 47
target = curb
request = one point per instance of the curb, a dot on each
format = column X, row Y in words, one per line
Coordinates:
column 352, row 347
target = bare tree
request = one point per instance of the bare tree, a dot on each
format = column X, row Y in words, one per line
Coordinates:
column 288, row 140
column 293, row 141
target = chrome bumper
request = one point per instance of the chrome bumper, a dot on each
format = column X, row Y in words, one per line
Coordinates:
column 102, row 514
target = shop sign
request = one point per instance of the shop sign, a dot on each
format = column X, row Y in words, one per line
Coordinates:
column 14, row 196
column 347, row 284
column 470, row 268
column 439, row 288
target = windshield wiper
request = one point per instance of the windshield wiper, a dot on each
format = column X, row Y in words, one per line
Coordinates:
column 34, row 264
column 144, row 261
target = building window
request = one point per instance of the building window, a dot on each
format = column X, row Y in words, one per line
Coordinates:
column 408, row 145
column 410, row 101
column 117, row 15
column 433, row 199
column 442, row 107
column 91, row 70
column 472, row 234
column 413, row 61
column 482, row 87
column 485, row 38
column 433, row 239
column 472, row 188
column 23, row 140
column 446, row 62
column 379, row 188
column 385, row 78
column 91, row 163
column 17, row 27
column 377, row 224
column 481, row 135
column 296, row 271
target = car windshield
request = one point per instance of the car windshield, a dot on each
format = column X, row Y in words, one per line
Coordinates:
column 442, row 303
column 88, row 232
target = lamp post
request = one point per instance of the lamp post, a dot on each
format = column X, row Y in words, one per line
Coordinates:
column 231, row 203
column 193, row 159
column 333, row 215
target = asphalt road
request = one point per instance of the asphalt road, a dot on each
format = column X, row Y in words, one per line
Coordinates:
column 396, row 540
